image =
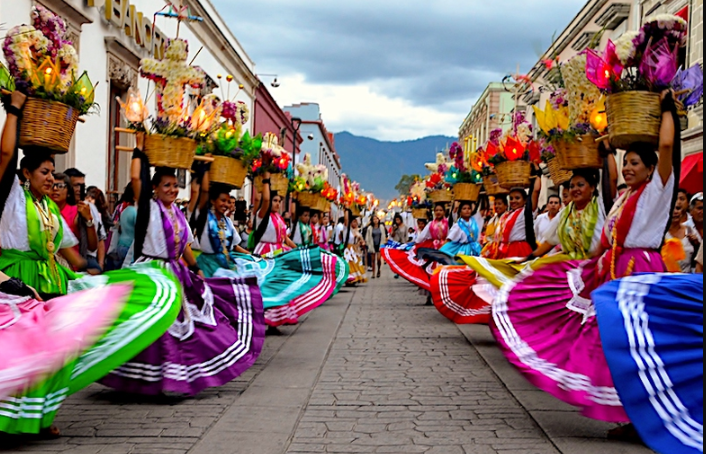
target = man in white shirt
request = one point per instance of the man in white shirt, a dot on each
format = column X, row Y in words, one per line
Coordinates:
column 542, row 223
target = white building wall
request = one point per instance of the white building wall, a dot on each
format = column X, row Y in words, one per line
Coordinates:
column 93, row 137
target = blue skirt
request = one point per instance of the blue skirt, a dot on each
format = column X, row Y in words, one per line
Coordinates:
column 652, row 330
column 454, row 249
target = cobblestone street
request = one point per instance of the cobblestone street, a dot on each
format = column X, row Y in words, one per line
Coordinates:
column 372, row 371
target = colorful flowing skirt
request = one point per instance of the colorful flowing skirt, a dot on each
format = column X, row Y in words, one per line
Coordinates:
column 407, row 264
column 355, row 265
column 452, row 294
column 40, row 338
column 545, row 323
column 218, row 335
column 652, row 330
column 289, row 282
column 150, row 309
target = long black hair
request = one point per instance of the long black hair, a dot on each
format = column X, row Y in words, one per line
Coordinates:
column 214, row 192
column 260, row 230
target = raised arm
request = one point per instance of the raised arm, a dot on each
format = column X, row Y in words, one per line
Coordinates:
column 202, row 195
column 536, row 193
column 266, row 196
column 9, row 133
column 666, row 137
column 136, row 166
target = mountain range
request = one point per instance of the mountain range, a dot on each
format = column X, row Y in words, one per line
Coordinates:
column 378, row 166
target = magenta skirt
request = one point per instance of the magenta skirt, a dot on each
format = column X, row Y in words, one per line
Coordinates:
column 545, row 323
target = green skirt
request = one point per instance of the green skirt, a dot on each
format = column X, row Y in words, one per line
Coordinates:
column 36, row 272
column 151, row 309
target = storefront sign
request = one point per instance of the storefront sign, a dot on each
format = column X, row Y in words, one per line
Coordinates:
column 134, row 24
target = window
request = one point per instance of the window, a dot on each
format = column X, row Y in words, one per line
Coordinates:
column 117, row 174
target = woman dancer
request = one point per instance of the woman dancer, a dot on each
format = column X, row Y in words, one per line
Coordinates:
column 545, row 321
column 375, row 238
column 352, row 240
column 278, row 278
column 303, row 232
column 407, row 263
column 33, row 235
column 220, row 331
column 450, row 284
column 491, row 230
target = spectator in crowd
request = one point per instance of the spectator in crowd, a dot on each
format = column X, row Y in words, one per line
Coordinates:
column 697, row 213
column 125, row 219
column 94, row 257
column 565, row 195
column 78, row 216
column 678, row 231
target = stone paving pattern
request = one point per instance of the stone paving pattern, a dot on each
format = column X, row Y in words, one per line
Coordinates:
column 372, row 371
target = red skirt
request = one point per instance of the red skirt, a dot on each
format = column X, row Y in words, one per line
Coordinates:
column 453, row 295
column 406, row 264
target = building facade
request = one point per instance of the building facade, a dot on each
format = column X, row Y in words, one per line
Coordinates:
column 111, row 37
column 317, row 140
column 492, row 110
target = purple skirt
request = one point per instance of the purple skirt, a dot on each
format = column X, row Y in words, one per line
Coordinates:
column 219, row 335
column 545, row 323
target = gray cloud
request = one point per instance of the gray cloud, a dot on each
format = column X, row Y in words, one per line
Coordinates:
column 430, row 53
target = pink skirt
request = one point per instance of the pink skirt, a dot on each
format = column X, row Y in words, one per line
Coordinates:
column 545, row 322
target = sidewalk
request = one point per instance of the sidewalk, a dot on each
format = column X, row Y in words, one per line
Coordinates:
column 372, row 371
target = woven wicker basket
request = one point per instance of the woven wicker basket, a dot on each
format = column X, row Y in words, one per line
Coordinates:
column 278, row 183
column 634, row 116
column 556, row 173
column 467, row 192
column 492, row 188
column 172, row 152
column 581, row 153
column 441, row 196
column 420, row 213
column 228, row 171
column 355, row 210
column 47, row 124
column 308, row 200
column 322, row 205
column 514, row 174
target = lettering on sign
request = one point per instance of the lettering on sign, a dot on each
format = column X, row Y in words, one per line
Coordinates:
column 133, row 23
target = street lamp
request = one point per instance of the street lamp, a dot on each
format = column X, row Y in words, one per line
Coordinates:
column 275, row 83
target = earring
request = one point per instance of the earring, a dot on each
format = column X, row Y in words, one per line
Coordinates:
column 26, row 185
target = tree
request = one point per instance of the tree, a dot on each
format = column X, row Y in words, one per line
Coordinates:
column 406, row 183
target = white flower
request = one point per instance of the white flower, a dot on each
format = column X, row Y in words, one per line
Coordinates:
column 625, row 46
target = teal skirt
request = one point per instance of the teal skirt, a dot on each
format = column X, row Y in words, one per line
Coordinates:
column 282, row 279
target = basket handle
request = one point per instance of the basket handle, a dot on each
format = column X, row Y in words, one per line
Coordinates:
column 8, row 93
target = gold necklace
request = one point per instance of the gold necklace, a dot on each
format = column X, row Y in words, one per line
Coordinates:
column 47, row 220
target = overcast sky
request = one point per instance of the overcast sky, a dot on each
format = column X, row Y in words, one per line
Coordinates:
column 393, row 69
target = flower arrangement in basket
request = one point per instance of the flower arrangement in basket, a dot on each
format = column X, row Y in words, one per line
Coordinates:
column 634, row 70
column 464, row 178
column 437, row 188
column 514, row 157
column 178, row 127
column 43, row 65
column 275, row 160
column 310, row 183
column 568, row 122
column 418, row 201
column 233, row 152
column 481, row 162
column 351, row 196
